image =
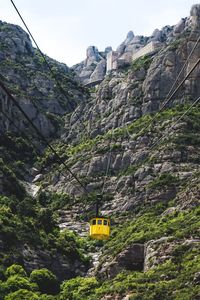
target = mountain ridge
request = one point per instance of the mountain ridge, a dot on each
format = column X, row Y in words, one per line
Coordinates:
column 116, row 139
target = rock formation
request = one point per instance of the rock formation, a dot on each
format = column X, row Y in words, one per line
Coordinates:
column 120, row 138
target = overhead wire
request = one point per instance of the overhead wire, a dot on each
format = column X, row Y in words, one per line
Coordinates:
column 57, row 83
column 47, row 63
column 109, row 159
column 176, row 90
column 60, row 159
column 167, row 99
column 174, row 124
column 24, row 136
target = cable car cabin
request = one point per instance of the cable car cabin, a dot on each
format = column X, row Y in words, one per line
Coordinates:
column 100, row 228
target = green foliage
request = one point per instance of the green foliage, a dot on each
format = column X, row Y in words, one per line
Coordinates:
column 46, row 219
column 10, row 182
column 22, row 294
column 54, row 201
column 48, row 297
column 167, row 281
column 176, row 44
column 17, row 155
column 78, row 288
column 15, row 270
column 149, row 225
column 35, row 225
column 24, row 220
column 188, row 138
column 56, row 120
column 70, row 244
column 5, row 27
column 164, row 180
column 17, row 282
column 143, row 62
column 46, row 281
column 38, row 285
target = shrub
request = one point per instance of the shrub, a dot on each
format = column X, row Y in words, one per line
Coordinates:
column 46, row 281
column 78, row 288
column 164, row 180
column 143, row 62
column 15, row 270
column 17, row 282
column 22, row 294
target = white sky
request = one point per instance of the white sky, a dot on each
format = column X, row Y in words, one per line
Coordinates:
column 64, row 29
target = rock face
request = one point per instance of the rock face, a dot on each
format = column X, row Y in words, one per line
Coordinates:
column 195, row 17
column 120, row 100
column 135, row 159
column 97, row 64
column 93, row 68
column 31, row 83
column 19, row 43
column 159, row 251
column 62, row 266
column 126, row 98
column 131, row 258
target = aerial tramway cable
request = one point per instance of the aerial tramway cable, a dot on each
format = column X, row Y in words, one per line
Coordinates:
column 24, row 136
column 175, row 123
column 47, row 63
column 166, row 101
column 60, row 159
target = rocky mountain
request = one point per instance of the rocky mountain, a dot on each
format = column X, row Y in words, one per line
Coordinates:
column 128, row 134
column 29, row 79
column 97, row 64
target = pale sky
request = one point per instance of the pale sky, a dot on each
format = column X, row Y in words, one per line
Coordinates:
column 64, row 29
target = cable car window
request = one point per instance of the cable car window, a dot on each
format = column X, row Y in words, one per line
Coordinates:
column 99, row 222
column 93, row 222
column 105, row 222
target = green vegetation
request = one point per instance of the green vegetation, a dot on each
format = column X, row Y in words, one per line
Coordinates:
column 137, row 128
column 136, row 65
column 78, row 288
column 54, row 201
column 17, row 285
column 176, row 44
column 168, row 281
column 45, row 280
column 27, row 221
column 171, row 280
column 150, row 225
column 17, row 155
column 164, row 180
column 56, row 121
column 30, row 225
column 143, row 62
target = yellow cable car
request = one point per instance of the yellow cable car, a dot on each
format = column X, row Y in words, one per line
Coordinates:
column 100, row 228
